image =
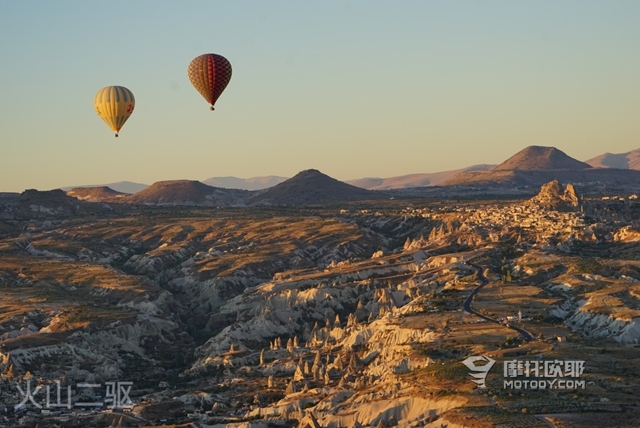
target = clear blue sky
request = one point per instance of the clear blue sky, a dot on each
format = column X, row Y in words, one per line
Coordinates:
column 352, row 88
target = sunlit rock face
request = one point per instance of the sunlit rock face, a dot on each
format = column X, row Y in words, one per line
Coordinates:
column 553, row 196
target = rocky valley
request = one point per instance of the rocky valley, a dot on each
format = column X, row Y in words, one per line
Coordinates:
column 353, row 313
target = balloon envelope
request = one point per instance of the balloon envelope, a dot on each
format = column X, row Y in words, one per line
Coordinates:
column 210, row 74
column 114, row 104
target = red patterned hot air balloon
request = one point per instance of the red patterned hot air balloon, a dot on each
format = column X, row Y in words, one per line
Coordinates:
column 210, row 74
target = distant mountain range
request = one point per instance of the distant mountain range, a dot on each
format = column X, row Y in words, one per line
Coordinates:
column 414, row 180
column 305, row 188
column 253, row 183
column 532, row 158
column 536, row 165
column 629, row 160
column 532, row 166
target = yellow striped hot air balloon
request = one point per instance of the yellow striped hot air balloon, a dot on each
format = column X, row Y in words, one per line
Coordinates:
column 114, row 104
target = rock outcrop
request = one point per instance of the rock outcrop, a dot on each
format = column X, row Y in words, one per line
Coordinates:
column 553, row 196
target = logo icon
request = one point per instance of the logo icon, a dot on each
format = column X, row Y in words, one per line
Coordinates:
column 479, row 372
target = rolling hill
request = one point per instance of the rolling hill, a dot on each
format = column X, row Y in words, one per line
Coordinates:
column 187, row 192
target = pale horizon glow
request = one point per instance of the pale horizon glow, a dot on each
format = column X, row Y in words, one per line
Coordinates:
column 354, row 89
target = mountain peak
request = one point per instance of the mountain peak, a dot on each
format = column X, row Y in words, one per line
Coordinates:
column 536, row 158
column 310, row 173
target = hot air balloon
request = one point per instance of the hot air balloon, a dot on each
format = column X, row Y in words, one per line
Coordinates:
column 210, row 74
column 114, row 104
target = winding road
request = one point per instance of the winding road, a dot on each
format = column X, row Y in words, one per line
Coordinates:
column 466, row 305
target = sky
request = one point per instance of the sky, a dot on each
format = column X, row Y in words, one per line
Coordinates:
column 358, row 88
